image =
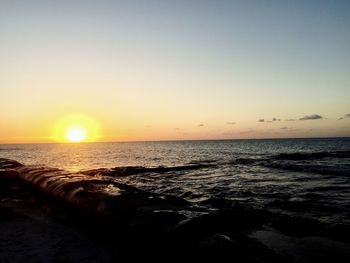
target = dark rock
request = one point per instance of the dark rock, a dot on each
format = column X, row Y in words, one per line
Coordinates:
column 7, row 163
column 8, row 214
column 132, row 170
column 8, row 174
column 339, row 232
column 234, row 223
column 220, row 203
column 218, row 247
column 298, row 226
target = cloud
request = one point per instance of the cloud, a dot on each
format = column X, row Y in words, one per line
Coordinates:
column 289, row 129
column 345, row 116
column 275, row 119
column 290, row 120
column 201, row 125
column 261, row 120
column 231, row 123
column 250, row 130
column 311, row 117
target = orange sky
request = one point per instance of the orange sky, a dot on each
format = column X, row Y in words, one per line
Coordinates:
column 174, row 70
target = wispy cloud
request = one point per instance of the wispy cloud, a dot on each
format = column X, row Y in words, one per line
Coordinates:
column 230, row 123
column 250, row 130
column 200, row 125
column 345, row 116
column 261, row 120
column 289, row 129
column 275, row 119
column 311, row 117
column 291, row 120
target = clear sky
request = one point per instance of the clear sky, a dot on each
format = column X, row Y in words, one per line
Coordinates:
column 163, row 70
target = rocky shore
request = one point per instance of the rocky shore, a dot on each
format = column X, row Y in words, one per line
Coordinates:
column 51, row 215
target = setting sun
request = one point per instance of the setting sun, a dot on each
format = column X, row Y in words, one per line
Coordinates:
column 76, row 128
column 76, row 134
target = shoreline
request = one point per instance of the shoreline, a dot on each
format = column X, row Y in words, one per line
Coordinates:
column 108, row 221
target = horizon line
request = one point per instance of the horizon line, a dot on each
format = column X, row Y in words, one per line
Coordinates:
column 184, row 140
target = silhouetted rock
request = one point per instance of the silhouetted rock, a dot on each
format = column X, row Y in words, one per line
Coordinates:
column 220, row 203
column 8, row 174
column 131, row 170
column 298, row 226
column 7, row 163
column 339, row 232
column 220, row 229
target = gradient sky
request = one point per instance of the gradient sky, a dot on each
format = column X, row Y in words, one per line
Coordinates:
column 163, row 70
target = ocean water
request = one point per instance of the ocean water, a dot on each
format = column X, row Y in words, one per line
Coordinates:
column 307, row 177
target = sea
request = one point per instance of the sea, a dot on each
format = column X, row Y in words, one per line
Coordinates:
column 304, row 177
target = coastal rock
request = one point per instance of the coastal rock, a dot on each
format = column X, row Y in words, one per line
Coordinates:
column 132, row 170
column 99, row 195
column 298, row 226
column 156, row 226
column 220, row 203
column 8, row 174
column 339, row 232
column 220, row 236
column 7, row 163
column 234, row 224
column 218, row 247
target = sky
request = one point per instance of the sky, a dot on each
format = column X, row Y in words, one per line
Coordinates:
column 174, row 70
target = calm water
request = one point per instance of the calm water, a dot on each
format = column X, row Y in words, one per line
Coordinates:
column 248, row 171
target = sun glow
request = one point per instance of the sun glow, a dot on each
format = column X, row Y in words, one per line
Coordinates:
column 75, row 134
column 76, row 128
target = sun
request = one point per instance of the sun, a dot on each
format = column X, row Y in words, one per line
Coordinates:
column 76, row 128
column 76, row 134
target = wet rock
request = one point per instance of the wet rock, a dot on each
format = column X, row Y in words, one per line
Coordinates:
column 234, row 224
column 216, row 243
column 298, row 226
column 7, row 163
column 220, row 203
column 8, row 174
column 218, row 247
column 339, row 232
column 137, row 202
column 8, row 214
column 132, row 170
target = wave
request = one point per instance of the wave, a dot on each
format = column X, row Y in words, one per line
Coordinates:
column 132, row 170
column 313, row 156
column 303, row 162
column 343, row 170
column 245, row 161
